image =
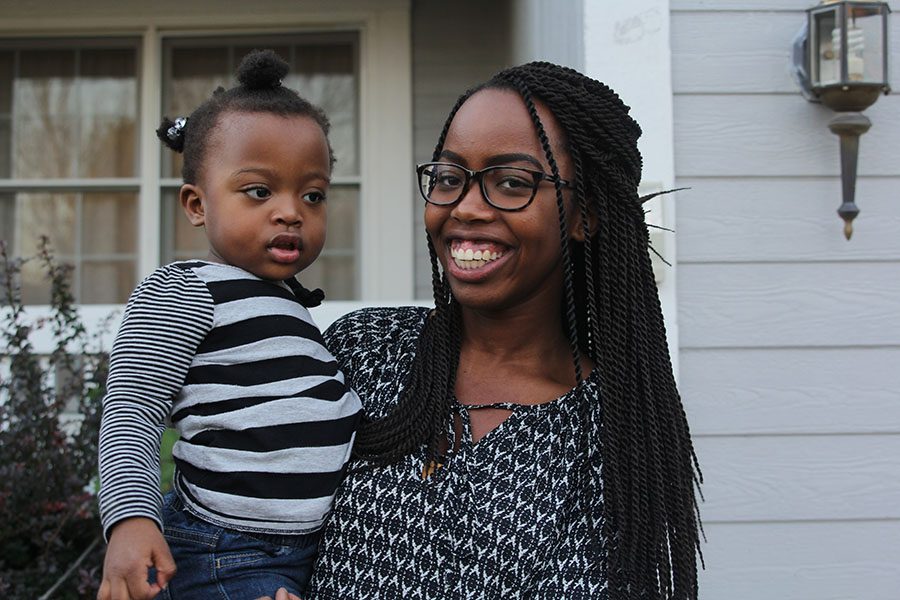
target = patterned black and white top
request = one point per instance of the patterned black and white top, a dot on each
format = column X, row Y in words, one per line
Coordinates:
column 237, row 365
column 503, row 517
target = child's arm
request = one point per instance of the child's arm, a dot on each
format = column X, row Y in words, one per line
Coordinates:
column 135, row 545
column 167, row 317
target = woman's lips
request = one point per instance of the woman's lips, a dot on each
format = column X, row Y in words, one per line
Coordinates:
column 472, row 260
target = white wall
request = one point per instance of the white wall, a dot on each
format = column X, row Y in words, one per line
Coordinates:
column 626, row 46
column 789, row 334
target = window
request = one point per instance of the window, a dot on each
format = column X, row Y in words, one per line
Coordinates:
column 84, row 165
column 69, row 167
column 68, row 161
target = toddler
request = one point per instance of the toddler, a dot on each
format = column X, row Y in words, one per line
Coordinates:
column 225, row 350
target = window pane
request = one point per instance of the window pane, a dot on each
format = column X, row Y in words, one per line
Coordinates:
column 44, row 214
column 6, row 81
column 325, row 75
column 45, row 115
column 5, row 147
column 108, row 113
column 7, row 219
column 335, row 269
column 334, row 274
column 343, row 204
column 6, row 86
column 196, row 72
column 96, row 233
column 185, row 242
column 107, row 282
column 68, row 112
column 36, row 215
column 109, row 224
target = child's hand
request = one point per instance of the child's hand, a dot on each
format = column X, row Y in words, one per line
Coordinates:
column 282, row 594
column 135, row 545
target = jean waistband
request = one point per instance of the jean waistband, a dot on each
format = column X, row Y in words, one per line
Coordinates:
column 280, row 539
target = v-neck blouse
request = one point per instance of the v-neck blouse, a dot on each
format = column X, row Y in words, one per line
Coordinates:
column 505, row 517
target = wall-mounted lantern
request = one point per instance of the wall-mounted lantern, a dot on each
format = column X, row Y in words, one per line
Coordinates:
column 841, row 59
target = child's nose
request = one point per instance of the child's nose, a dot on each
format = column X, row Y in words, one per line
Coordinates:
column 287, row 212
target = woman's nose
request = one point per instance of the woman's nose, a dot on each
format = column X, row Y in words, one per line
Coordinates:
column 473, row 206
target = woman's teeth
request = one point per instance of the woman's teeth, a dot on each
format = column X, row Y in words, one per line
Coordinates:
column 473, row 259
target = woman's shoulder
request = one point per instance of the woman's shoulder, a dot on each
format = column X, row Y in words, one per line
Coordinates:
column 375, row 326
column 375, row 348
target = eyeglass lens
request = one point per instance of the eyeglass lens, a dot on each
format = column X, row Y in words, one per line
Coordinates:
column 505, row 187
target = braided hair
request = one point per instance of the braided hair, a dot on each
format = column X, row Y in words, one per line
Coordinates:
column 648, row 517
column 259, row 90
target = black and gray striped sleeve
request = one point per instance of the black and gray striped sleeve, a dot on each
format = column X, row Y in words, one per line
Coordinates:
column 165, row 320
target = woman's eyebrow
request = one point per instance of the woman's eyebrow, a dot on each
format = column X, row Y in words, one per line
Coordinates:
column 503, row 159
column 499, row 159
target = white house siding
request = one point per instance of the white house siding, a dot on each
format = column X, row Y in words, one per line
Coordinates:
column 789, row 334
column 455, row 46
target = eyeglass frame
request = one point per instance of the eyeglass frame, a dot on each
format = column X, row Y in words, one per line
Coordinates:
column 473, row 175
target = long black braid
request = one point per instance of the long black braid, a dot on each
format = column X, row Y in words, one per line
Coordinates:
column 648, row 517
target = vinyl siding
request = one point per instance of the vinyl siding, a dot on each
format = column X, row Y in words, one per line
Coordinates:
column 789, row 334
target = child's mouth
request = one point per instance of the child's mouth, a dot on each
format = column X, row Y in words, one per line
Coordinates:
column 285, row 247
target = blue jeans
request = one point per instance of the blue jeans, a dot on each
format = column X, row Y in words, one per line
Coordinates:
column 215, row 562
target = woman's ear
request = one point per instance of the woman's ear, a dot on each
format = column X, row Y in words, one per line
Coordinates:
column 577, row 227
column 192, row 203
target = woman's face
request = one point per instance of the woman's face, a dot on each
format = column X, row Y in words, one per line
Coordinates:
column 521, row 258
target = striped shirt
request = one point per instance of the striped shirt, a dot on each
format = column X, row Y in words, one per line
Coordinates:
column 236, row 364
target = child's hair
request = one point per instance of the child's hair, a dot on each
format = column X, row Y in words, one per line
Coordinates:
column 647, row 517
column 259, row 90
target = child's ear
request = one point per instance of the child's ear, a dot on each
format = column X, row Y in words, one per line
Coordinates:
column 192, row 203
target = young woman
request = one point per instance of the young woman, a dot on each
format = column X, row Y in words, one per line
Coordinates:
column 524, row 439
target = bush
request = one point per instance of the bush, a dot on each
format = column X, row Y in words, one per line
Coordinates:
column 50, row 542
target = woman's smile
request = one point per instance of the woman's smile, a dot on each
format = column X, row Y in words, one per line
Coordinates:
column 475, row 260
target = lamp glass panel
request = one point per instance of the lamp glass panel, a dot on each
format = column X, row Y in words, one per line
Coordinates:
column 865, row 44
column 826, row 57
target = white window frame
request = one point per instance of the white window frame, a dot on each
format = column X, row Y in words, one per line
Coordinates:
column 386, row 244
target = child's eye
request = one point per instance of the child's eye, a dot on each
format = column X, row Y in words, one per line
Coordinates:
column 258, row 192
column 314, row 197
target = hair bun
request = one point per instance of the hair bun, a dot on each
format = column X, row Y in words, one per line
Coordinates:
column 262, row 69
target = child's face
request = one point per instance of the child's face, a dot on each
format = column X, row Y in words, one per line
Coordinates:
column 261, row 193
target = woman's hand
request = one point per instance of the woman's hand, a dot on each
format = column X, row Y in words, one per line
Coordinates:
column 282, row 594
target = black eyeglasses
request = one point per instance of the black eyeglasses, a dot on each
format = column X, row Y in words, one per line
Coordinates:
column 504, row 188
